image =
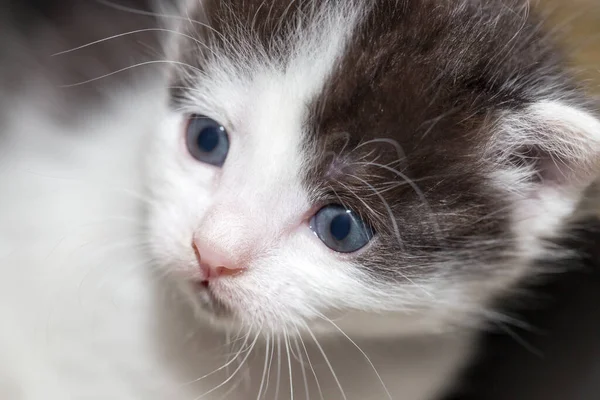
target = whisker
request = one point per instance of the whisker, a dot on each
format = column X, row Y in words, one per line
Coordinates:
column 399, row 150
column 131, row 67
column 287, row 349
column 389, row 210
column 167, row 16
column 322, row 351
column 278, row 367
column 221, row 368
column 234, row 372
column 232, row 388
column 418, row 192
column 134, row 10
column 361, row 351
column 303, row 367
column 271, row 355
column 228, row 342
column 127, row 34
column 264, row 374
column 521, row 341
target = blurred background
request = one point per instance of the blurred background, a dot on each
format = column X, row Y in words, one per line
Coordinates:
column 557, row 358
column 578, row 24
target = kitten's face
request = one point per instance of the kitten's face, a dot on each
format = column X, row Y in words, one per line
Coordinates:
column 358, row 163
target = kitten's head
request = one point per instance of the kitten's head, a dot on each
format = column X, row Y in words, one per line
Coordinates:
column 387, row 165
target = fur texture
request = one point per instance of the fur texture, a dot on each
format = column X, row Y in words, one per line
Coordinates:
column 461, row 154
column 452, row 128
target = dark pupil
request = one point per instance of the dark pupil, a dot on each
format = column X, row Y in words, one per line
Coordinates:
column 208, row 139
column 340, row 226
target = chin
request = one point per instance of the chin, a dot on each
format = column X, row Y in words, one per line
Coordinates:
column 208, row 307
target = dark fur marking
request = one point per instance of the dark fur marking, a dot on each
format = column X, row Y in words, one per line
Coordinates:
column 431, row 76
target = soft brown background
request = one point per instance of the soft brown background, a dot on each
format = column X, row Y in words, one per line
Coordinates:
column 578, row 22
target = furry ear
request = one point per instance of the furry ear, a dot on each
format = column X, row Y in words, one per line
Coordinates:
column 554, row 143
column 546, row 156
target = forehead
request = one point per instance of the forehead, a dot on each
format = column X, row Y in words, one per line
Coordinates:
column 262, row 89
column 261, row 67
column 418, row 72
column 378, row 93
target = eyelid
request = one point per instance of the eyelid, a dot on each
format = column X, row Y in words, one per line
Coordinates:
column 349, row 257
column 212, row 113
column 327, row 198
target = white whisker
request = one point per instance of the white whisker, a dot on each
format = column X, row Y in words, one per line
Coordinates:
column 303, row 368
column 322, row 351
column 310, row 364
column 164, row 16
column 126, row 34
column 221, row 368
column 418, row 192
column 361, row 351
column 278, row 382
column 264, row 374
column 234, row 372
column 131, row 67
column 287, row 349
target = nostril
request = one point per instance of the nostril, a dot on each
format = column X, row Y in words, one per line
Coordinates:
column 224, row 271
column 196, row 252
column 213, row 264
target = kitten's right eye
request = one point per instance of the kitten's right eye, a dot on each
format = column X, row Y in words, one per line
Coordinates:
column 207, row 140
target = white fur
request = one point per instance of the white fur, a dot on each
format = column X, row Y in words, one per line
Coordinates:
column 256, row 200
column 84, row 315
column 88, row 317
column 71, row 273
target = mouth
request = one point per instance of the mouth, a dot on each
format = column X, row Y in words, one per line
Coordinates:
column 210, row 303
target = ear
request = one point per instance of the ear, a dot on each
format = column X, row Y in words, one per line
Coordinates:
column 545, row 158
column 559, row 144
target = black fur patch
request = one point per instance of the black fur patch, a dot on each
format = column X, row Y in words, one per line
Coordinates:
column 428, row 77
column 399, row 132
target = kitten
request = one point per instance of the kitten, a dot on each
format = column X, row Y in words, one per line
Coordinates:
column 390, row 166
column 341, row 189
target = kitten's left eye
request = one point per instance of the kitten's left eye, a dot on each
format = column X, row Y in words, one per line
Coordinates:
column 207, row 140
column 341, row 229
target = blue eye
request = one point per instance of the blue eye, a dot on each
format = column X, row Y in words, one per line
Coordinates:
column 207, row 140
column 341, row 229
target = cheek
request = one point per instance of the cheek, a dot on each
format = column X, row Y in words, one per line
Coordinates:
column 295, row 280
column 179, row 191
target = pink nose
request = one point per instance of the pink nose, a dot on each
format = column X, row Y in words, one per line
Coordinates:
column 214, row 262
